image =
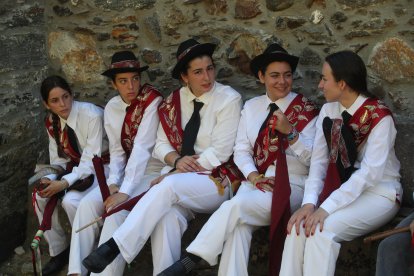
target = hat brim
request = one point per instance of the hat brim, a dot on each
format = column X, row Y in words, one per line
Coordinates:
column 111, row 72
column 200, row 49
column 263, row 60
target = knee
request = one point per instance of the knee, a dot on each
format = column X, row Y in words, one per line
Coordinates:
column 68, row 203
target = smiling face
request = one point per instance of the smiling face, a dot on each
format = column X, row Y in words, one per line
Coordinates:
column 59, row 102
column 328, row 85
column 200, row 75
column 128, row 85
column 278, row 79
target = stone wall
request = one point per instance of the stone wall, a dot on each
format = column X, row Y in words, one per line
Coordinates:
column 81, row 35
column 23, row 64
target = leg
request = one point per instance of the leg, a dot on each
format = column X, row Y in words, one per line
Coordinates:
column 293, row 252
column 71, row 200
column 82, row 243
column 166, row 237
column 368, row 212
column 394, row 254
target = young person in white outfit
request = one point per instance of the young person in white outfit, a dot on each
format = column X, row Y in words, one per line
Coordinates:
column 229, row 230
column 353, row 185
column 196, row 135
column 131, row 122
column 76, row 132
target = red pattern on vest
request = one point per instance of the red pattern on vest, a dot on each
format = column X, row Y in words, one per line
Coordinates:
column 368, row 115
column 63, row 138
column 170, row 117
column 135, row 113
column 299, row 113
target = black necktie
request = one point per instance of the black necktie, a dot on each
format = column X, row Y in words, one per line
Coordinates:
column 273, row 108
column 72, row 138
column 191, row 130
column 346, row 117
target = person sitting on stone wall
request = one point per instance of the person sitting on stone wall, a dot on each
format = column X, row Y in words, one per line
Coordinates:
column 395, row 254
column 76, row 134
column 131, row 122
column 256, row 153
column 195, row 138
column 354, row 182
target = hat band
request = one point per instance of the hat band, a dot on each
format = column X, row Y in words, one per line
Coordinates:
column 186, row 52
column 125, row 64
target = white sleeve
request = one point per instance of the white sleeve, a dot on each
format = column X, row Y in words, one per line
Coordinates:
column 302, row 148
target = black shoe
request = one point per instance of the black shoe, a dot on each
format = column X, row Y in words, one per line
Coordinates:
column 56, row 263
column 182, row 266
column 101, row 257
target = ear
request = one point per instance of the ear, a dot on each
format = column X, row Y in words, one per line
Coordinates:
column 114, row 85
column 342, row 84
column 261, row 76
column 184, row 78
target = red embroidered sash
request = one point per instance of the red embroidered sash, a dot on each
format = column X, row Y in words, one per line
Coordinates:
column 134, row 115
column 73, row 155
column 170, row 117
column 362, row 122
column 299, row 113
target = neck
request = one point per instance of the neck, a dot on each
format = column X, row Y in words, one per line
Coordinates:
column 348, row 98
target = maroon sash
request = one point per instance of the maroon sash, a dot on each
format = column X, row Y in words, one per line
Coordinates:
column 170, row 117
column 134, row 115
column 267, row 148
column 70, row 152
column 299, row 113
column 362, row 122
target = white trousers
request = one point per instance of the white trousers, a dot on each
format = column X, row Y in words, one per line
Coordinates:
column 229, row 230
column 163, row 213
column 83, row 242
column 56, row 236
column 317, row 254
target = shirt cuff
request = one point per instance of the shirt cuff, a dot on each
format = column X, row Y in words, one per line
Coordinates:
column 71, row 178
column 309, row 199
column 298, row 147
column 247, row 169
column 50, row 176
column 113, row 180
column 329, row 206
column 208, row 160
column 126, row 188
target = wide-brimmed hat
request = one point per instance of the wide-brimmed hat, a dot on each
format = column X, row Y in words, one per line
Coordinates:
column 188, row 50
column 273, row 52
column 123, row 62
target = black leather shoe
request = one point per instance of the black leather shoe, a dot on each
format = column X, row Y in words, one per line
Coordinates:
column 100, row 258
column 56, row 263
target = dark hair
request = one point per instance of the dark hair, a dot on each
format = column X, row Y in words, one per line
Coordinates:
column 113, row 76
column 186, row 66
column 263, row 68
column 52, row 82
column 47, row 85
column 349, row 67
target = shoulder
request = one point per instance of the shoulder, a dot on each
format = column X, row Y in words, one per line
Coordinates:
column 112, row 104
column 255, row 102
column 226, row 92
column 88, row 109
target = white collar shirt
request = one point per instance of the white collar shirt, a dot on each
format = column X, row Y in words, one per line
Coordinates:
column 377, row 165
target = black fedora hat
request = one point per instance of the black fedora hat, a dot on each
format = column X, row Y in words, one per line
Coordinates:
column 188, row 50
column 273, row 52
column 122, row 62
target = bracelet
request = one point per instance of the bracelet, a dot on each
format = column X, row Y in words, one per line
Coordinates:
column 176, row 161
column 292, row 135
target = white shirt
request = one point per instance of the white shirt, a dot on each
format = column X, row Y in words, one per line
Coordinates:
column 219, row 115
column 298, row 155
column 377, row 166
column 86, row 120
column 125, row 173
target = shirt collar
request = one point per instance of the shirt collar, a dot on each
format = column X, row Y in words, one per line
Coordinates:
column 282, row 103
column 205, row 98
column 354, row 107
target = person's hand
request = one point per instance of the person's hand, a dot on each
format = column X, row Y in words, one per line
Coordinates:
column 114, row 200
column 113, row 189
column 412, row 227
column 189, row 164
column 52, row 187
column 265, row 183
column 280, row 122
column 299, row 217
column 318, row 217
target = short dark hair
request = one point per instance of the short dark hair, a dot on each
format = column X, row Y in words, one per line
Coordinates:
column 52, row 82
column 113, row 76
column 263, row 68
column 349, row 67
